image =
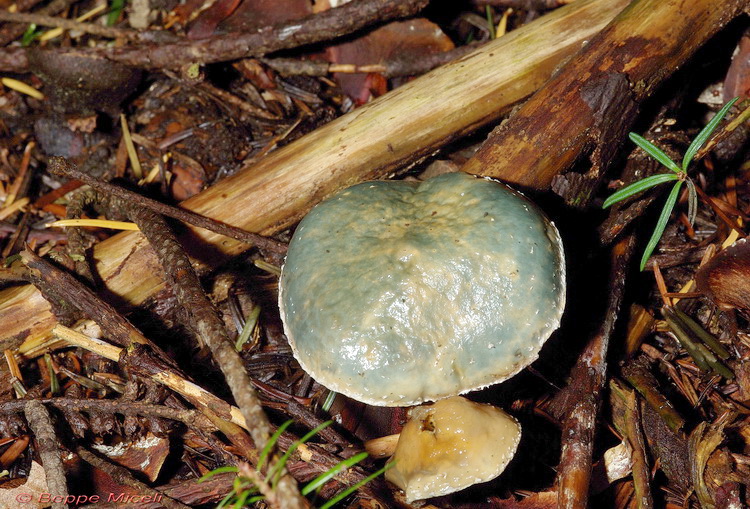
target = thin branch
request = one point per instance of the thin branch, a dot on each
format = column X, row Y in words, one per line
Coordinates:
column 325, row 26
column 10, row 33
column 190, row 418
column 68, row 24
column 578, row 404
column 49, row 450
column 205, row 321
column 60, row 166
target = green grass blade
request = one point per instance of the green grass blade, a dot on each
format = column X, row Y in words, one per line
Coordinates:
column 351, row 489
column 490, row 21
column 692, row 201
column 271, row 443
column 241, row 499
column 115, row 9
column 327, row 476
column 661, row 223
column 705, row 134
column 247, row 329
column 216, row 471
column 275, row 471
column 29, row 35
column 703, row 334
column 639, row 186
column 326, row 406
column 225, row 500
column 654, row 152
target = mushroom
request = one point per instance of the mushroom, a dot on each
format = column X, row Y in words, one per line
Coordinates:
column 396, row 293
column 450, row 445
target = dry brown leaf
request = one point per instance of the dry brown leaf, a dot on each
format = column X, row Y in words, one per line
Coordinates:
column 29, row 494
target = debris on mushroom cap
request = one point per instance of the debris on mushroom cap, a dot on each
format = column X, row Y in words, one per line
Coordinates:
column 395, row 293
column 450, row 445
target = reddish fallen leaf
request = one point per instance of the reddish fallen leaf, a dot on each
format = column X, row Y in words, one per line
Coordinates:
column 55, row 194
column 737, row 81
column 411, row 40
column 181, row 14
column 145, row 455
column 206, row 23
column 258, row 13
column 187, row 180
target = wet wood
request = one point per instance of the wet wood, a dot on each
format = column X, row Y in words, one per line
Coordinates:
column 593, row 101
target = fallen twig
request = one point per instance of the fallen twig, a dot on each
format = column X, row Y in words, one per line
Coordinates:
column 324, row 26
column 68, row 24
column 190, row 418
column 577, row 405
column 9, row 33
column 49, row 450
column 211, row 331
column 60, row 166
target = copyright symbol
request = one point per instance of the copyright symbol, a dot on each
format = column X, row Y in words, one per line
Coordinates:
column 24, row 498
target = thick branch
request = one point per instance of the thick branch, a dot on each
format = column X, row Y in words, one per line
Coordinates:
column 40, row 423
column 644, row 45
column 61, row 166
column 319, row 27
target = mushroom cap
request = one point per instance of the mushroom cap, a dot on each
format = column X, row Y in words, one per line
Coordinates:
column 394, row 293
column 451, row 445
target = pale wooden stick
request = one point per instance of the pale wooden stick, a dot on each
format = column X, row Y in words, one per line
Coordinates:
column 178, row 384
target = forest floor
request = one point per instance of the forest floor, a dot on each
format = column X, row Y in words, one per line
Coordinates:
column 152, row 367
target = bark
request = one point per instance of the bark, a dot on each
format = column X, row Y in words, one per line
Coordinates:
column 593, row 101
column 371, row 142
column 578, row 404
column 49, row 450
column 320, row 27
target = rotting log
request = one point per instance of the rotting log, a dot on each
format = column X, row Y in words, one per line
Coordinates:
column 371, row 142
column 593, row 101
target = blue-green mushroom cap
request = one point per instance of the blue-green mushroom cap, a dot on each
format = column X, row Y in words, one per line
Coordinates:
column 395, row 293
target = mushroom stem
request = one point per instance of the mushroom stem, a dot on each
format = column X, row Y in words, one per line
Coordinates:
column 450, row 445
column 382, row 447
